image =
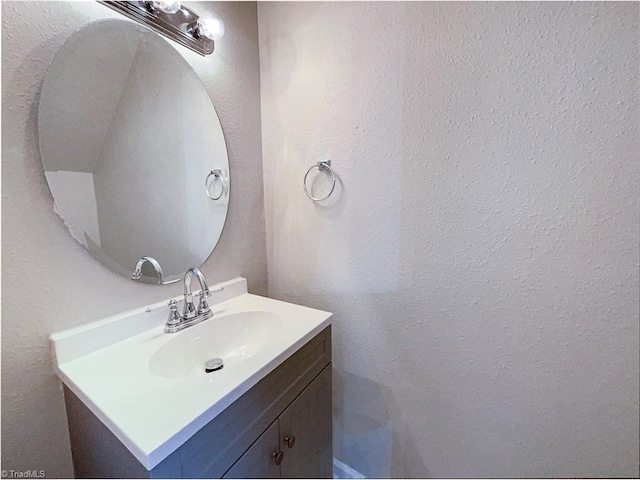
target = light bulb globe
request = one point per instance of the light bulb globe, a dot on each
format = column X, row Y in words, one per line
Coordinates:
column 212, row 28
column 167, row 6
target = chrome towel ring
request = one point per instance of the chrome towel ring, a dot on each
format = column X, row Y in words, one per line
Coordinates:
column 225, row 184
column 324, row 165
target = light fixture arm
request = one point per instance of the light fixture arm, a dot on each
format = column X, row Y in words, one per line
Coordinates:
column 178, row 26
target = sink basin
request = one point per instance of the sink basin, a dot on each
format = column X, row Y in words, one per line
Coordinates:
column 234, row 338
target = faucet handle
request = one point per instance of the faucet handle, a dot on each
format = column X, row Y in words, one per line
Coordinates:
column 174, row 316
column 203, row 306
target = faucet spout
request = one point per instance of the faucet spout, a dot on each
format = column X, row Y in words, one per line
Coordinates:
column 187, row 281
column 189, row 311
column 137, row 272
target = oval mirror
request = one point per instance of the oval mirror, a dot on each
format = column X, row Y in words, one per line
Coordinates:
column 133, row 151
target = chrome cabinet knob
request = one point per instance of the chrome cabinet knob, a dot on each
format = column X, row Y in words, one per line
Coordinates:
column 290, row 440
column 277, row 457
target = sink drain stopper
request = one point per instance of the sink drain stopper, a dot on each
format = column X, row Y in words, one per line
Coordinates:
column 213, row 365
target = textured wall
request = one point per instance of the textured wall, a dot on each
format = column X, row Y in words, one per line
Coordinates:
column 481, row 251
column 49, row 282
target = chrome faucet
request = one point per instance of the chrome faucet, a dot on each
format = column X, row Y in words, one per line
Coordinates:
column 137, row 272
column 189, row 310
column 190, row 314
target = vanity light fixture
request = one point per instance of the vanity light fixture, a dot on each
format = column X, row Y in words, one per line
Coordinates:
column 173, row 20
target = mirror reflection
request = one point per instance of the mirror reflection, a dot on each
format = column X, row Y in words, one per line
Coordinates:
column 130, row 142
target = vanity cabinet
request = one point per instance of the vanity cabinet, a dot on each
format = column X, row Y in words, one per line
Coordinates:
column 280, row 428
column 298, row 443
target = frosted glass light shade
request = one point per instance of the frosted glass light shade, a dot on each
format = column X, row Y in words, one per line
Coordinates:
column 167, row 6
column 212, row 28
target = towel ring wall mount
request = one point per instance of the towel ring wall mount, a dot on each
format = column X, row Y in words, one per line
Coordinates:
column 323, row 165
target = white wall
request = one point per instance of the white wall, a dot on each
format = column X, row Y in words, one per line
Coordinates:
column 49, row 282
column 481, row 252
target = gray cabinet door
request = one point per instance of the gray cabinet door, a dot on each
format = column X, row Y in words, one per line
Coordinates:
column 258, row 460
column 308, row 419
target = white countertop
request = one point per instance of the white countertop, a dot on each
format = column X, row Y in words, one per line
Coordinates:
column 106, row 364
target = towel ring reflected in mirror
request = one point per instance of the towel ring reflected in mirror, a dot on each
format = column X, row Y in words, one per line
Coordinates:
column 324, row 165
column 217, row 173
